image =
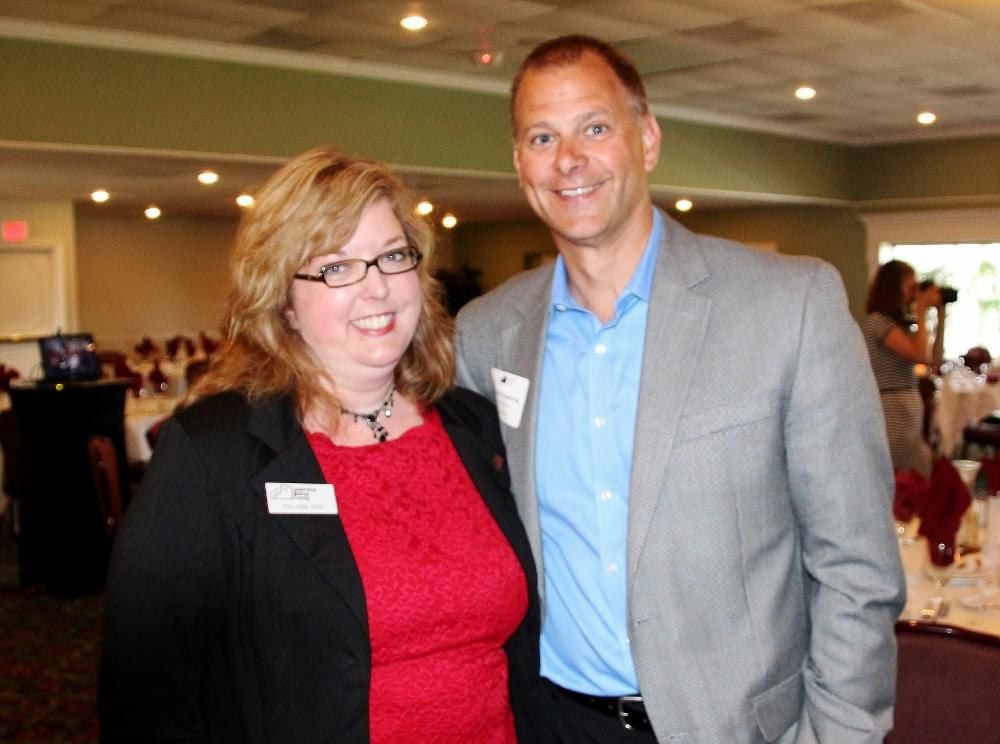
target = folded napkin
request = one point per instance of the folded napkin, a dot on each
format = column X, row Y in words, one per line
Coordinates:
column 942, row 509
column 7, row 374
column 208, row 344
column 912, row 490
column 146, row 347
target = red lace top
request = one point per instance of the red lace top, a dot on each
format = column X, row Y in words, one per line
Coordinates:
column 443, row 588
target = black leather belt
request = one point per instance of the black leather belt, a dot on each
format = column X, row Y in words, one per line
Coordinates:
column 628, row 709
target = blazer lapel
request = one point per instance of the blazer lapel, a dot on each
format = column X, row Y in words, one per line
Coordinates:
column 675, row 331
column 522, row 345
column 321, row 538
column 474, row 452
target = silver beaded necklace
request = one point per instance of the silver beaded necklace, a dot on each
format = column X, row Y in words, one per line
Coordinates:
column 372, row 419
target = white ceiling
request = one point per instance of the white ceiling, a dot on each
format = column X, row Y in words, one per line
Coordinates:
column 874, row 63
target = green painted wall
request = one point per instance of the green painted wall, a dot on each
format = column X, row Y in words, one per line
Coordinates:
column 498, row 249
column 59, row 93
column 833, row 234
column 948, row 168
column 700, row 156
column 88, row 96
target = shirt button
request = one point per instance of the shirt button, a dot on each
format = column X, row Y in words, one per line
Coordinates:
column 612, row 568
column 600, row 349
column 606, row 495
column 599, row 422
column 560, row 307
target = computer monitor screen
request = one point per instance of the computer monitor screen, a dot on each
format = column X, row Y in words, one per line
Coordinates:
column 69, row 357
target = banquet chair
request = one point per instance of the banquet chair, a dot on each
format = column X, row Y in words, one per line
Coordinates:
column 945, row 685
column 104, row 467
column 985, row 435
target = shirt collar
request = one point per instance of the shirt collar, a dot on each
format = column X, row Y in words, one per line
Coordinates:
column 640, row 285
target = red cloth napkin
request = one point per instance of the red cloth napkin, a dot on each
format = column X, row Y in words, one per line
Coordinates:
column 912, row 490
column 949, row 498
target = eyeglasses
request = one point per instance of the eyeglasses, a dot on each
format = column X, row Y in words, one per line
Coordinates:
column 353, row 270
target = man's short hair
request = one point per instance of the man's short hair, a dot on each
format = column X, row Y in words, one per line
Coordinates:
column 566, row 50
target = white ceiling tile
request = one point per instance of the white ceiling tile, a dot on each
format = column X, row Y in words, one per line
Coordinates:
column 228, row 11
column 666, row 15
column 131, row 19
column 606, row 26
column 980, row 10
column 57, row 11
column 820, row 27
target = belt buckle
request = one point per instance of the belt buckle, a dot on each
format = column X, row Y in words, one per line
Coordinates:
column 624, row 714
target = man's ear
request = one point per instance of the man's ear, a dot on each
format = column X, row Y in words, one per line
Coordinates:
column 651, row 139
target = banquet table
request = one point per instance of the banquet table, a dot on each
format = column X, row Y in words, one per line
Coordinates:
column 961, row 401
column 966, row 583
column 141, row 414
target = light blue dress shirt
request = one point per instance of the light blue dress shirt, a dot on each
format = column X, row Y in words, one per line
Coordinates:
column 586, row 421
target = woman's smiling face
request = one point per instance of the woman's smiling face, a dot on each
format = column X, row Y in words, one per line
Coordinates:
column 361, row 331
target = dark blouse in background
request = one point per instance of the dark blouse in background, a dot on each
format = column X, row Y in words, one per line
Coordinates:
column 443, row 589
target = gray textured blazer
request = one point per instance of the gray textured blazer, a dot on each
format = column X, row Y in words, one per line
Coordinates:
column 763, row 575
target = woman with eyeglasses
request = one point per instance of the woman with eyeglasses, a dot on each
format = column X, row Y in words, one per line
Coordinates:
column 324, row 547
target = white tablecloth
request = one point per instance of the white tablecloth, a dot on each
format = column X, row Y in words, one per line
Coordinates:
column 920, row 589
column 962, row 402
column 140, row 416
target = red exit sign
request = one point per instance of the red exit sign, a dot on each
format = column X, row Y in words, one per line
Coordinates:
column 14, row 231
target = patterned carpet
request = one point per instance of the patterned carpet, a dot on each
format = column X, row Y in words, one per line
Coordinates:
column 49, row 650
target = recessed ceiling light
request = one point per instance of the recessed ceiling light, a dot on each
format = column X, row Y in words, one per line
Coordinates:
column 683, row 205
column 424, row 208
column 152, row 212
column 100, row 196
column 413, row 22
column 208, row 177
column 449, row 221
column 805, row 93
column 926, row 118
column 245, row 200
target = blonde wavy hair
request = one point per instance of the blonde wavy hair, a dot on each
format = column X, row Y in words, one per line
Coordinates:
column 310, row 207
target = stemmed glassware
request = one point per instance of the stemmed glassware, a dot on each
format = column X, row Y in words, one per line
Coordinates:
column 940, row 567
column 905, row 531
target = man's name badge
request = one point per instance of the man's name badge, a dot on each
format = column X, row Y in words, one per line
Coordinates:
column 511, row 395
column 300, row 498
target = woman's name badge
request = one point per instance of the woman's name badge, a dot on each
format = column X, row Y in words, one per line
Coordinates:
column 300, row 498
column 511, row 395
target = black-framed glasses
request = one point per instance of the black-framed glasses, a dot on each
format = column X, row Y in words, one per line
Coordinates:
column 353, row 270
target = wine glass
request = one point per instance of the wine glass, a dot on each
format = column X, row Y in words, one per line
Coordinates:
column 968, row 532
column 905, row 530
column 940, row 567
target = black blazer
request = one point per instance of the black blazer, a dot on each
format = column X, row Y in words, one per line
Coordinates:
column 225, row 623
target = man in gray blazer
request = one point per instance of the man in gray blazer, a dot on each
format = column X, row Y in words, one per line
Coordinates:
column 696, row 446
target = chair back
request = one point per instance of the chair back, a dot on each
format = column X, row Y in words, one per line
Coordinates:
column 945, row 685
column 104, row 467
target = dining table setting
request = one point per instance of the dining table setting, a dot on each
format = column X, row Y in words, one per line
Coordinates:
column 963, row 397
column 949, row 541
column 143, row 413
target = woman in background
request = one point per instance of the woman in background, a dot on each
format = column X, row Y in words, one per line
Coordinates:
column 896, row 333
column 324, row 547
